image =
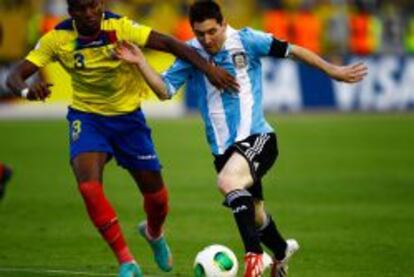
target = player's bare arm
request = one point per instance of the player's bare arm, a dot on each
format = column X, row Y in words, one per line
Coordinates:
column 16, row 82
column 349, row 74
column 217, row 76
column 131, row 53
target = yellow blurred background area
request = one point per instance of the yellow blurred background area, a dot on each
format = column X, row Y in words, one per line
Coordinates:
column 361, row 27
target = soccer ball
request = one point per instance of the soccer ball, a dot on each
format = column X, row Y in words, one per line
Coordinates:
column 216, row 261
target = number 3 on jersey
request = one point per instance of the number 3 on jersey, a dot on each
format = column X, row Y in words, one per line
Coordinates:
column 76, row 129
column 79, row 61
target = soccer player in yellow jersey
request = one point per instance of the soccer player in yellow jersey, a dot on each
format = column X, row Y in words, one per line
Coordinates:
column 105, row 118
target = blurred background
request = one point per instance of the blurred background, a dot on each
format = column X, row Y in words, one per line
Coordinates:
column 379, row 32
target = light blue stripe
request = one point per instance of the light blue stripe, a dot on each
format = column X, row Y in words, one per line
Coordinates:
column 259, row 124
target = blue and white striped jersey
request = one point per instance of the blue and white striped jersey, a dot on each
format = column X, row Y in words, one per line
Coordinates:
column 228, row 116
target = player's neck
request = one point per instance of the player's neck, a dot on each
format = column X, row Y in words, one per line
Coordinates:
column 84, row 34
column 89, row 37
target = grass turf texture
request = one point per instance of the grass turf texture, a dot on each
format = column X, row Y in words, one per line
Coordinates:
column 343, row 186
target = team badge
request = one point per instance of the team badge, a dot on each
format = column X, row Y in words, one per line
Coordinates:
column 240, row 60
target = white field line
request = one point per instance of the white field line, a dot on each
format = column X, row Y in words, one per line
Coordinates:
column 56, row 272
column 53, row 271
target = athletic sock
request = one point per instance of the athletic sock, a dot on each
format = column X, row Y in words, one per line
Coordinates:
column 104, row 218
column 270, row 236
column 156, row 208
column 241, row 203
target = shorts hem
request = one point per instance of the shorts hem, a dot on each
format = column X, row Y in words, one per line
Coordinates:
column 74, row 155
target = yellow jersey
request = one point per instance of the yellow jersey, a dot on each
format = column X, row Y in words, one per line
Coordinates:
column 101, row 83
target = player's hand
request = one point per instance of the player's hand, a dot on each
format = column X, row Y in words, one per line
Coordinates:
column 221, row 79
column 129, row 52
column 39, row 91
column 349, row 74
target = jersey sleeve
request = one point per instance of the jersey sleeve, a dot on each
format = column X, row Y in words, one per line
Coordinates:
column 175, row 77
column 44, row 51
column 135, row 32
column 263, row 44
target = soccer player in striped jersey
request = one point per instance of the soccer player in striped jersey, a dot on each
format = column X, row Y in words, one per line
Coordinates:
column 243, row 143
column 105, row 119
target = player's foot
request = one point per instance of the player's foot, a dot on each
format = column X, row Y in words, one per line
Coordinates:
column 159, row 246
column 130, row 269
column 7, row 173
column 280, row 268
column 254, row 266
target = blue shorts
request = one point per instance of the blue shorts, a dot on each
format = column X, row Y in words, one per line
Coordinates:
column 126, row 137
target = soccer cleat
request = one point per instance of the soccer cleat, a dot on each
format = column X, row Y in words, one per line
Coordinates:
column 159, row 246
column 7, row 173
column 254, row 266
column 130, row 269
column 280, row 268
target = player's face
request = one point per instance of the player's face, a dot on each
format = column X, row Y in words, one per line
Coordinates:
column 87, row 15
column 210, row 34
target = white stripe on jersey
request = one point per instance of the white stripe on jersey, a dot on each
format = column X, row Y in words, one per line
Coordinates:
column 217, row 115
column 234, row 45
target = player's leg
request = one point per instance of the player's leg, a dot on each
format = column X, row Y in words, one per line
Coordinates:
column 233, row 180
column 88, row 169
column 151, row 185
column 154, row 191
column 267, row 229
column 5, row 175
column 134, row 150
column 271, row 237
column 268, row 232
column 90, row 150
column 259, row 153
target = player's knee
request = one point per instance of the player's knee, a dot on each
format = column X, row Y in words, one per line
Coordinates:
column 149, row 182
column 226, row 184
column 85, row 175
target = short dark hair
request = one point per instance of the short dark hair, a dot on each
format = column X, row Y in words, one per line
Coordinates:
column 72, row 3
column 204, row 10
column 75, row 3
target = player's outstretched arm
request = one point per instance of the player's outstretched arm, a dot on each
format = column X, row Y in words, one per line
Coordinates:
column 16, row 82
column 217, row 76
column 131, row 53
column 349, row 74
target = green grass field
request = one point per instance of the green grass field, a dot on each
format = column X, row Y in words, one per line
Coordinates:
column 343, row 187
